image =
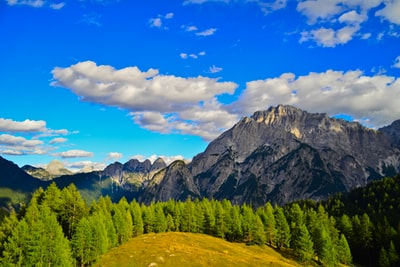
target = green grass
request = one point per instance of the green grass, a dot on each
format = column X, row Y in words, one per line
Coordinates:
column 188, row 249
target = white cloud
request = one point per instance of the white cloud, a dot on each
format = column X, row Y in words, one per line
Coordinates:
column 192, row 55
column 32, row 3
column 75, row 153
column 169, row 15
column 326, row 19
column 85, row 166
column 215, row 69
column 352, row 17
column 157, row 102
column 328, row 37
column 207, row 32
column 190, row 28
column 391, row 11
column 6, row 139
column 58, row 140
column 155, row 22
column 8, row 125
column 17, row 145
column 396, row 63
column 334, row 92
column 170, row 104
column 114, row 156
column 57, row 6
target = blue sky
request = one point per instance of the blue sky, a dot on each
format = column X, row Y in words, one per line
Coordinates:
column 92, row 82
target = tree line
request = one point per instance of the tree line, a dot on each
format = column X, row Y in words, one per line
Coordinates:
column 58, row 228
column 370, row 219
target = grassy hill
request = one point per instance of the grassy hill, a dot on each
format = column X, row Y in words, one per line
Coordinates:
column 188, row 249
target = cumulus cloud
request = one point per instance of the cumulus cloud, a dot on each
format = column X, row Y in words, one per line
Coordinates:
column 390, row 12
column 215, row 69
column 85, row 166
column 207, row 32
column 8, row 125
column 192, row 55
column 74, row 153
column 333, row 92
column 32, row 3
column 57, row 6
column 58, row 140
column 170, row 104
column 164, row 103
column 328, row 37
column 114, row 156
column 190, row 28
column 396, row 63
column 157, row 22
column 17, row 145
column 339, row 21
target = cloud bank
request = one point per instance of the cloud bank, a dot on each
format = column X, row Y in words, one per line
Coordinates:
column 171, row 104
column 162, row 103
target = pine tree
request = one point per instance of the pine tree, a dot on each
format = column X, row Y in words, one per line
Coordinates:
column 383, row 260
column 283, row 236
column 122, row 221
column 137, row 221
column 81, row 242
column 258, row 233
column 344, row 253
column 148, row 219
column 303, row 245
column 72, row 209
column 235, row 229
column 392, row 254
column 38, row 240
column 219, row 214
column 160, row 222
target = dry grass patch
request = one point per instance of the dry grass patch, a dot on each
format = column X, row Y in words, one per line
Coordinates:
column 188, row 249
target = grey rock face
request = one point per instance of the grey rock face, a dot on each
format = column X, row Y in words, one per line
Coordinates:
column 174, row 182
column 284, row 154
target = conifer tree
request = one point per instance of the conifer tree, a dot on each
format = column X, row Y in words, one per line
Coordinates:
column 72, row 209
column 383, row 260
column 160, row 222
column 137, row 221
column 235, row 228
column 283, row 236
column 392, row 254
column 258, row 233
column 148, row 219
column 344, row 253
column 122, row 221
column 219, row 214
column 303, row 245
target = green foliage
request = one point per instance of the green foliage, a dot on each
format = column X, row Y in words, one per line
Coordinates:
column 59, row 229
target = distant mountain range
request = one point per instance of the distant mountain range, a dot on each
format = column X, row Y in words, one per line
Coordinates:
column 278, row 155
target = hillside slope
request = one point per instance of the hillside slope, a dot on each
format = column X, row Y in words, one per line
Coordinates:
column 188, row 249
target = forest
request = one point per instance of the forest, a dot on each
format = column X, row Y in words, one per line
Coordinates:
column 58, row 228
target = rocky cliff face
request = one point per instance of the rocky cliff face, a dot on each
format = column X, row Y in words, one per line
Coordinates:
column 278, row 155
column 133, row 173
column 284, row 154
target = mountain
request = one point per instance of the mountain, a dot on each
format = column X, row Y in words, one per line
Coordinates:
column 279, row 155
column 285, row 154
column 15, row 184
column 54, row 169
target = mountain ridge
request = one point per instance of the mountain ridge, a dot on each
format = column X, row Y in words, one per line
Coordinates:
column 279, row 155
